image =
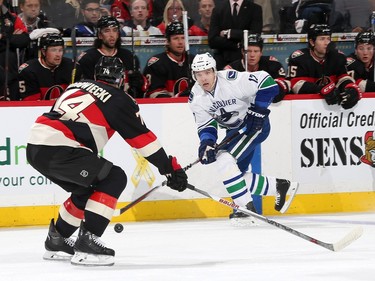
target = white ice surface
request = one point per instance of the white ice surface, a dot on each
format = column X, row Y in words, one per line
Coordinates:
column 205, row 249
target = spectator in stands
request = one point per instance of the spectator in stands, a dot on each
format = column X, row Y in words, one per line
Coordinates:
column 169, row 72
column 91, row 12
column 108, row 43
column 321, row 69
column 359, row 13
column 14, row 32
column 360, row 64
column 33, row 19
column 173, row 12
column 120, row 9
column 192, row 8
column 157, row 16
column 228, row 21
column 205, row 11
column 256, row 62
column 64, row 13
column 269, row 23
column 105, row 7
column 31, row 16
column 140, row 24
column 46, row 78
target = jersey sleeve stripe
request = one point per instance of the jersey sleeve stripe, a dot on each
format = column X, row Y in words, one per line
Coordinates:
column 147, row 144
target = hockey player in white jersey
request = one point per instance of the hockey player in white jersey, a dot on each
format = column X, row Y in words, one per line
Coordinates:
column 237, row 102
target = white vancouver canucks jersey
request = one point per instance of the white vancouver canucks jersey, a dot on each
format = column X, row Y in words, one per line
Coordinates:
column 233, row 94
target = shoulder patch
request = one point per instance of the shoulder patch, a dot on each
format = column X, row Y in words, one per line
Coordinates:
column 296, row 54
column 81, row 55
column 350, row 60
column 272, row 58
column 22, row 67
column 152, row 60
column 232, row 75
column 191, row 97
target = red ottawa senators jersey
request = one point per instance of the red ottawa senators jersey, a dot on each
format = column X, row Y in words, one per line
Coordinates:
column 166, row 76
column 357, row 69
column 267, row 63
column 305, row 71
column 88, row 59
column 37, row 82
column 88, row 114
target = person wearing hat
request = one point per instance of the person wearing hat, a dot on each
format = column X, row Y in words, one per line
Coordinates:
column 108, row 43
column 46, row 77
column 321, row 69
column 169, row 72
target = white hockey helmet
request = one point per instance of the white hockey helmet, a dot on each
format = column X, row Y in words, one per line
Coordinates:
column 202, row 62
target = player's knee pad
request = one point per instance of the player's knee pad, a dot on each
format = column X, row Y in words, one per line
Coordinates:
column 114, row 184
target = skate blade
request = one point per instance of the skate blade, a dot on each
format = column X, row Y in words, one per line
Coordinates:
column 87, row 259
column 243, row 222
column 293, row 191
column 56, row 256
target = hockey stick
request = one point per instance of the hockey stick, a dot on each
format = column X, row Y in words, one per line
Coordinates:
column 118, row 212
column 245, row 47
column 136, row 201
column 187, row 46
column 74, row 53
column 349, row 238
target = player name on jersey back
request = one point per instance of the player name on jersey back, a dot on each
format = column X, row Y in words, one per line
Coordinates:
column 94, row 89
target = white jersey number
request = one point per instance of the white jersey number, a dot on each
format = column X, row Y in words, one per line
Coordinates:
column 71, row 108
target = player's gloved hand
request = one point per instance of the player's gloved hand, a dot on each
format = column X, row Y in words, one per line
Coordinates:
column 255, row 119
column 207, row 152
column 331, row 94
column 284, row 88
column 351, row 95
column 135, row 79
column 177, row 179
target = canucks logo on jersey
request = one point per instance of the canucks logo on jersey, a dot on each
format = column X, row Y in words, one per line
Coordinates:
column 224, row 117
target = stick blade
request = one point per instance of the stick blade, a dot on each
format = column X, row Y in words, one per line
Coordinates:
column 348, row 239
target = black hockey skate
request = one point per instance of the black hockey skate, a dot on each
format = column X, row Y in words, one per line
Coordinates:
column 89, row 250
column 237, row 218
column 57, row 247
column 282, row 188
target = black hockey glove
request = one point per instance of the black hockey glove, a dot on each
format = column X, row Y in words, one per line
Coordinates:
column 284, row 88
column 135, row 80
column 177, row 179
column 351, row 95
column 207, row 152
column 255, row 119
column 331, row 94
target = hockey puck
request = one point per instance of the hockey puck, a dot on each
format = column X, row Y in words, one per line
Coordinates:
column 119, row 227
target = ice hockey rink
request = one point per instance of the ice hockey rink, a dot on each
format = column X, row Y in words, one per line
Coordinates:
column 206, row 249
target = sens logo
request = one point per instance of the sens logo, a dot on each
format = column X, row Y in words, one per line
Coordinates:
column 369, row 157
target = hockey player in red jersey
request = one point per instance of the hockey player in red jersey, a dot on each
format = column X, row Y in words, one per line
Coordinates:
column 64, row 145
column 321, row 69
column 256, row 61
column 46, row 77
column 169, row 72
column 108, row 43
column 360, row 64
